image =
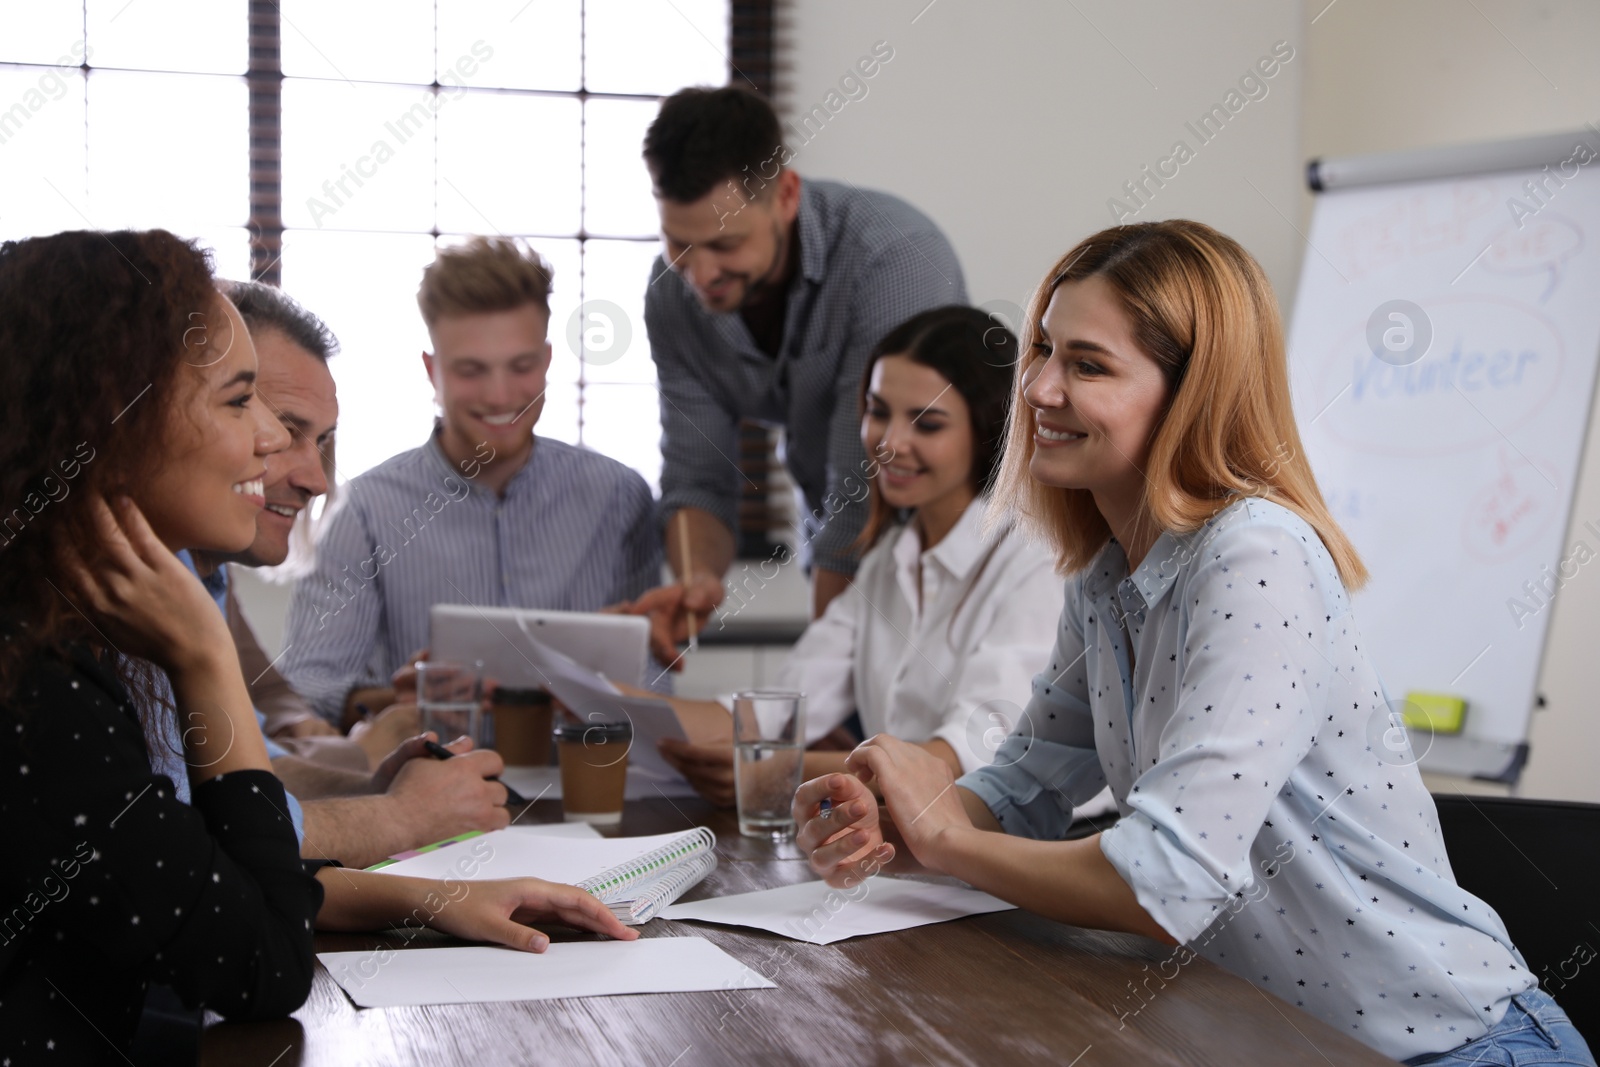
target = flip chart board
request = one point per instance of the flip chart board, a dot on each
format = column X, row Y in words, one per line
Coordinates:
column 1442, row 357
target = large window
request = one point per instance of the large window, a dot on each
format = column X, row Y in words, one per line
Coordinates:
column 403, row 125
column 134, row 116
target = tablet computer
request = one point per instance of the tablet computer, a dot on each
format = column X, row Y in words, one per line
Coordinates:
column 615, row 645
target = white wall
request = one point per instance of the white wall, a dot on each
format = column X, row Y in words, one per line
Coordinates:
column 266, row 605
column 1013, row 122
column 1383, row 76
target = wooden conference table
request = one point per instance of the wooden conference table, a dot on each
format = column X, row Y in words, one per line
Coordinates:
column 1008, row 988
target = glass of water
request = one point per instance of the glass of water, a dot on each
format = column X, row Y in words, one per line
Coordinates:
column 448, row 701
column 768, row 745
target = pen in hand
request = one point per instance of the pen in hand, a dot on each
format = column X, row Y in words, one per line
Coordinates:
column 438, row 751
column 683, row 539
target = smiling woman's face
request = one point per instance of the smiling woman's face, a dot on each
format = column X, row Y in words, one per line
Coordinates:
column 920, row 429
column 206, row 490
column 1095, row 396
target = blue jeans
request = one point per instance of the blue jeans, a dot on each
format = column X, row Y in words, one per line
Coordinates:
column 1534, row 1030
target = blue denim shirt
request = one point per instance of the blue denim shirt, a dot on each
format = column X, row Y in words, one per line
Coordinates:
column 166, row 751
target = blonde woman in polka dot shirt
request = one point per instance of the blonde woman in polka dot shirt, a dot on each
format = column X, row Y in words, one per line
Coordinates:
column 1207, row 666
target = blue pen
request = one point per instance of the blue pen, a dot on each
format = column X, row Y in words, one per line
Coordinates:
column 825, row 808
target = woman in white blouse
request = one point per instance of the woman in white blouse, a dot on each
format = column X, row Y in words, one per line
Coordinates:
column 945, row 623
column 1206, row 665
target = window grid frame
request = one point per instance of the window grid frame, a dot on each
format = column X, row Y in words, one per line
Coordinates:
column 751, row 47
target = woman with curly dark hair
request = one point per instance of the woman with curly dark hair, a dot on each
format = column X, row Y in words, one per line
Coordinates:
column 129, row 431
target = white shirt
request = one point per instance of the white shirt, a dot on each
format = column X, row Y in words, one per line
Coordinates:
column 942, row 643
column 1267, row 823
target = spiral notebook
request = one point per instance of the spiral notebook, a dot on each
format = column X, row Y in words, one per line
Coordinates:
column 637, row 890
column 638, row 876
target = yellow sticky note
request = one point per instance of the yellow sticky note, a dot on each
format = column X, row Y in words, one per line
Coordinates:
column 1438, row 712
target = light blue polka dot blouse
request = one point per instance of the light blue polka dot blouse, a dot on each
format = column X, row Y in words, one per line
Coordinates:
column 1270, row 821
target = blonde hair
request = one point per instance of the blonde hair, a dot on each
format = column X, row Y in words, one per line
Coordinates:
column 484, row 274
column 1202, row 308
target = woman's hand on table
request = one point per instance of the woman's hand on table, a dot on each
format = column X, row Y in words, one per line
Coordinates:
column 848, row 843
column 918, row 789
column 498, row 910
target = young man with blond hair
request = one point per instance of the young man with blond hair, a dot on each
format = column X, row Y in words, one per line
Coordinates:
column 485, row 511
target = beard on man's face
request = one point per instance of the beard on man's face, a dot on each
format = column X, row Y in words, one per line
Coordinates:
column 761, row 287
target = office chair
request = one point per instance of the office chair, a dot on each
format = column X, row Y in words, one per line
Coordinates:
column 1537, row 863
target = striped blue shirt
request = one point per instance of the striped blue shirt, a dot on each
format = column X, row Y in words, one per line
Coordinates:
column 868, row 262
column 575, row 531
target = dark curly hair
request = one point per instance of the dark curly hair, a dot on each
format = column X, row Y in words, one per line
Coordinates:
column 94, row 327
column 976, row 354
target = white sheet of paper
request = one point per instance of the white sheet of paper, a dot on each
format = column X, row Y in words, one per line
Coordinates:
column 652, row 720
column 562, row 829
column 593, row 698
column 477, row 975
column 566, row 830
column 544, row 783
column 820, row 914
column 517, row 853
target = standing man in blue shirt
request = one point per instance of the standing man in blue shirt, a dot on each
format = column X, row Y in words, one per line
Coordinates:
column 764, row 304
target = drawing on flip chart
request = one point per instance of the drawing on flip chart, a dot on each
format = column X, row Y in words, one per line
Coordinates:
column 1413, row 226
column 1539, row 246
column 1513, row 509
